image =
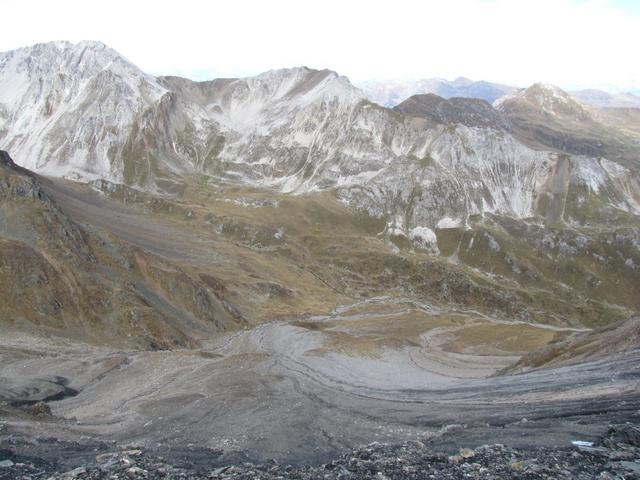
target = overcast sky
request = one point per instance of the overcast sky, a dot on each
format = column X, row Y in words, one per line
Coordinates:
column 572, row 43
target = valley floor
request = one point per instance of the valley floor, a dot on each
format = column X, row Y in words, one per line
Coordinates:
column 289, row 391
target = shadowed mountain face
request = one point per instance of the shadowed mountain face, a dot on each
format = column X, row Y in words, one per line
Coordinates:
column 465, row 111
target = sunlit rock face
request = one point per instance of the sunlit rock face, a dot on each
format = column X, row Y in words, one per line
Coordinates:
column 84, row 112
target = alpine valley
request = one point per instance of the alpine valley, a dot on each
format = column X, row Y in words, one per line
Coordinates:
column 278, row 269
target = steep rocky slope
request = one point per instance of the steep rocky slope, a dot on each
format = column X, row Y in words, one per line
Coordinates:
column 77, row 110
column 61, row 278
column 623, row 336
column 546, row 117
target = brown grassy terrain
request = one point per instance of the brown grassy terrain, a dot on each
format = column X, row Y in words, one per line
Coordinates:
column 216, row 257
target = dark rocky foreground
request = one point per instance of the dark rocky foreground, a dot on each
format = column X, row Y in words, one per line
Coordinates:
column 616, row 455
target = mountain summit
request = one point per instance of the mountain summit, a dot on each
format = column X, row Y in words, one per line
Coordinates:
column 83, row 111
column 545, row 98
column 546, row 117
column 73, row 109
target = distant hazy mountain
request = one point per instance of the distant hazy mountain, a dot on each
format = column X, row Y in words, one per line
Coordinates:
column 602, row 99
column 390, row 93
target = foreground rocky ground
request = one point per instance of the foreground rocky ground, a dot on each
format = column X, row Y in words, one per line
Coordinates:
column 616, row 455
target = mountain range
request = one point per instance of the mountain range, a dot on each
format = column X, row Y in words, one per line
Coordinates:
column 390, row 93
column 245, row 248
column 84, row 112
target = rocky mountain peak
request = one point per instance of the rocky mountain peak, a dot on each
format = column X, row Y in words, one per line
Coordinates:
column 55, row 71
column 548, row 95
column 288, row 83
column 82, row 59
column 547, row 98
column 71, row 100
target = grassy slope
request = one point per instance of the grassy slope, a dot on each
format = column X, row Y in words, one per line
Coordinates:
column 287, row 256
column 162, row 271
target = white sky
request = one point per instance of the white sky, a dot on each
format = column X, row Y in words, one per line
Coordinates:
column 572, row 43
